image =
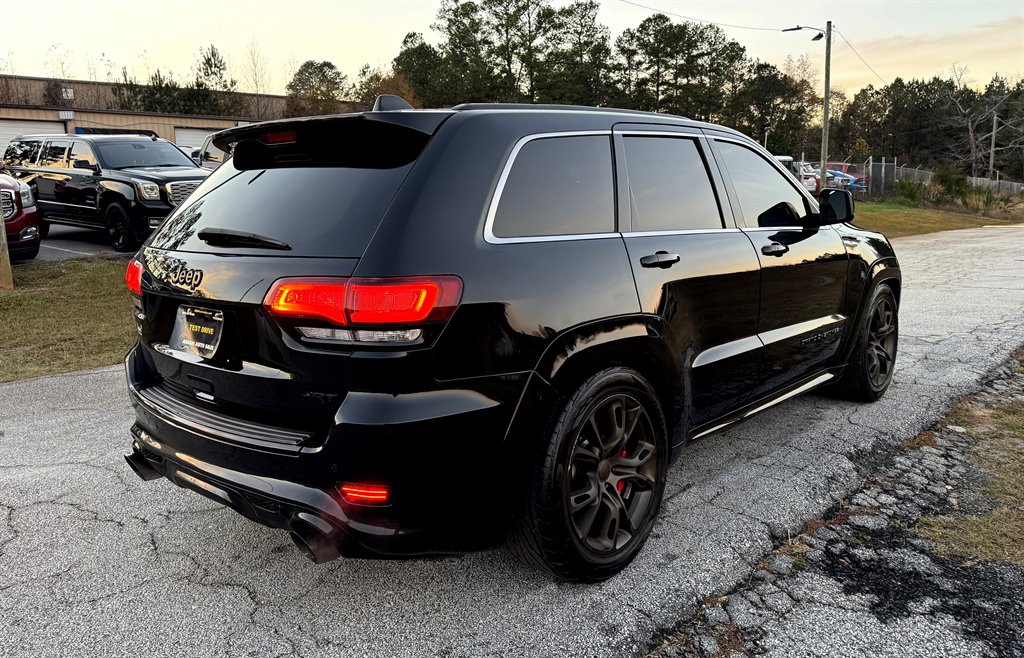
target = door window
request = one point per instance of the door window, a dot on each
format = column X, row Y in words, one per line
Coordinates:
column 669, row 185
column 54, row 155
column 81, row 151
column 21, row 153
column 766, row 196
column 558, row 186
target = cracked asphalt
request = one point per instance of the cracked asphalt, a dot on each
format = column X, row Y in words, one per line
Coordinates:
column 95, row 562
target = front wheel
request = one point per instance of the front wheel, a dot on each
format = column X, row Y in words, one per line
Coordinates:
column 596, row 484
column 869, row 371
column 120, row 233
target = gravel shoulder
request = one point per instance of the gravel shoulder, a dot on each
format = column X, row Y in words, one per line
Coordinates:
column 862, row 581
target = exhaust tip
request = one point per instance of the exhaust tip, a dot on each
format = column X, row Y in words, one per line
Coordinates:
column 313, row 542
column 141, row 467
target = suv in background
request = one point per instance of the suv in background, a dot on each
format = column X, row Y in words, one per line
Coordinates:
column 122, row 184
column 19, row 216
column 413, row 332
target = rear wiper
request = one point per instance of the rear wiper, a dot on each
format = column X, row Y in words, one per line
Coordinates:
column 225, row 237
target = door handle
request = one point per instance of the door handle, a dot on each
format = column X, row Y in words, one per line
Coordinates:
column 659, row 259
column 774, row 249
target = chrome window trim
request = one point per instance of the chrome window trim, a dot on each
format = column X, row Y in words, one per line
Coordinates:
column 632, row 132
column 492, row 209
column 686, row 231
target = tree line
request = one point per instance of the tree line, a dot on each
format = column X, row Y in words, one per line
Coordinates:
column 528, row 51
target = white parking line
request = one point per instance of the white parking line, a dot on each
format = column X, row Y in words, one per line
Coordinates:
column 70, row 251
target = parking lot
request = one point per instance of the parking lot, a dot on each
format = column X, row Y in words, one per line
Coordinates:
column 94, row 561
column 65, row 242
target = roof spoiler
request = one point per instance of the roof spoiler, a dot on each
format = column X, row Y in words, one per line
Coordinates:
column 422, row 121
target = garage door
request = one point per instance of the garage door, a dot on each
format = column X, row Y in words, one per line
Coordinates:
column 11, row 128
column 191, row 137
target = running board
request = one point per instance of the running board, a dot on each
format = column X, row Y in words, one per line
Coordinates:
column 803, row 388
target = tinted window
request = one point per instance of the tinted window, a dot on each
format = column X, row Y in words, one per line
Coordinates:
column 54, row 154
column 121, row 155
column 766, row 195
column 319, row 211
column 21, row 153
column 669, row 185
column 558, row 186
column 81, row 151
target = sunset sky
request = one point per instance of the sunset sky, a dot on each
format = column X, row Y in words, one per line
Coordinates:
column 904, row 38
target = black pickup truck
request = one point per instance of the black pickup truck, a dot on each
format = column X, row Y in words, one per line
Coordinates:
column 122, row 184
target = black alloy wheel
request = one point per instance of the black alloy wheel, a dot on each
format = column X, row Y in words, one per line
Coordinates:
column 120, row 234
column 882, row 343
column 595, row 483
column 612, row 474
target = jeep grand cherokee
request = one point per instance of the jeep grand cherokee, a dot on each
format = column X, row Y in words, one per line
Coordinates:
column 400, row 333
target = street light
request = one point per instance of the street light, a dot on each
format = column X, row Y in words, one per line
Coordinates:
column 825, row 34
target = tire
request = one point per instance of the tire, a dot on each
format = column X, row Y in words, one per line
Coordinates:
column 120, row 233
column 615, row 485
column 44, row 228
column 869, row 372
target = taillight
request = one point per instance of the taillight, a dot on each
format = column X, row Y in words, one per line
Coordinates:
column 363, row 302
column 364, row 494
column 133, row 277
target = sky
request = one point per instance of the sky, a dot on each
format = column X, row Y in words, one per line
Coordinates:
column 896, row 38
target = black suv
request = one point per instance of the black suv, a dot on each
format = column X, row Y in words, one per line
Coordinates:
column 489, row 322
column 122, row 184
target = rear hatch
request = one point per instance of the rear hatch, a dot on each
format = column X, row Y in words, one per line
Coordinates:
column 300, row 200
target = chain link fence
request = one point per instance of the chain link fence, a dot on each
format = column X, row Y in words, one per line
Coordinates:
column 883, row 175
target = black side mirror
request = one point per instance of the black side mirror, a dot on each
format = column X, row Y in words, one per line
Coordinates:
column 85, row 164
column 836, row 206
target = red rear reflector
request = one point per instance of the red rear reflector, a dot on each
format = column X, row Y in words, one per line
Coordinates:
column 133, row 277
column 399, row 300
column 364, row 494
column 280, row 138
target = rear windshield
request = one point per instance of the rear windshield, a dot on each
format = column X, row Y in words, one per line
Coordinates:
column 123, row 155
column 318, row 211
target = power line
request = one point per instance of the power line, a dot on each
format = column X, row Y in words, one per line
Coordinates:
column 701, row 20
column 863, row 61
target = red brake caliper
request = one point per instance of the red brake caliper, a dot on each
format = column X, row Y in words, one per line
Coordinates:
column 621, row 483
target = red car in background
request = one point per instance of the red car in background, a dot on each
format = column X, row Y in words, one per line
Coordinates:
column 20, row 218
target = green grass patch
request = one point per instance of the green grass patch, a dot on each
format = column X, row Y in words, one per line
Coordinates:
column 896, row 220
column 999, row 534
column 64, row 316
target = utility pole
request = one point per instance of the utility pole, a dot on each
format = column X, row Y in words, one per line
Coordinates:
column 992, row 149
column 824, row 114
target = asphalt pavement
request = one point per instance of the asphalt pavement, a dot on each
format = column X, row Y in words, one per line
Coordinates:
column 94, row 561
column 67, row 242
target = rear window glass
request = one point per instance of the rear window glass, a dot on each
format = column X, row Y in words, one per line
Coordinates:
column 558, row 186
column 318, row 211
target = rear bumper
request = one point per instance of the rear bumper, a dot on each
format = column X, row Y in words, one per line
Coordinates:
column 444, row 471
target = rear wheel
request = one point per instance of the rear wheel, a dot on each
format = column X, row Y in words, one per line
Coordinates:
column 869, row 372
column 120, row 232
column 597, row 483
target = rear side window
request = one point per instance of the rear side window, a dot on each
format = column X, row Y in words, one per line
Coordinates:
column 558, row 186
column 54, row 154
column 21, row 153
column 669, row 185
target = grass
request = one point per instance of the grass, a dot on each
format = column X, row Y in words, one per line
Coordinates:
column 896, row 220
column 998, row 534
column 64, row 316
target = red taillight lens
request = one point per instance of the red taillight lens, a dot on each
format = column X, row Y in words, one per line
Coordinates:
column 309, row 298
column 133, row 277
column 280, row 138
column 400, row 300
column 364, row 494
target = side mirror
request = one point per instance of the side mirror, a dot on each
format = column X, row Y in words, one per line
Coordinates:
column 84, row 164
column 836, row 206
